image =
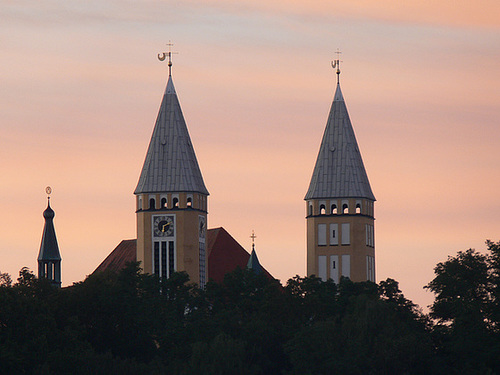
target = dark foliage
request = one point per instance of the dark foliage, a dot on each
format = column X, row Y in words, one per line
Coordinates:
column 467, row 311
column 129, row 323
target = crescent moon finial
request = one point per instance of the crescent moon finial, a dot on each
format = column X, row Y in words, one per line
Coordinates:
column 336, row 64
column 163, row 56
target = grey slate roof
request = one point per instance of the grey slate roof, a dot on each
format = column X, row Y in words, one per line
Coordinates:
column 339, row 171
column 253, row 262
column 170, row 164
column 49, row 250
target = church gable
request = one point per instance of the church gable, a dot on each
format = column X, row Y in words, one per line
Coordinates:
column 225, row 254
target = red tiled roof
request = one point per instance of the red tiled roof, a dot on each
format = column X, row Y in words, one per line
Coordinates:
column 124, row 253
column 225, row 254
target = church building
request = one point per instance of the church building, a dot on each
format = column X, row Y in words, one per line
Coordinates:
column 340, row 203
column 172, row 209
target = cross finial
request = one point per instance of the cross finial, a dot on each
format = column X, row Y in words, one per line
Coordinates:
column 253, row 237
column 336, row 63
column 163, row 55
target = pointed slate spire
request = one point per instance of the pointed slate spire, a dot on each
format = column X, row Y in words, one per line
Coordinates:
column 339, row 171
column 253, row 262
column 170, row 164
column 49, row 258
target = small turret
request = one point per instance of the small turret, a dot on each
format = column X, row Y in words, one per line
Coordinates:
column 49, row 258
column 253, row 261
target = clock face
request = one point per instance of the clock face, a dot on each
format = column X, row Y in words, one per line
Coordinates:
column 163, row 226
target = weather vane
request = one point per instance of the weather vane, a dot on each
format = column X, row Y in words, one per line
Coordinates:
column 163, row 56
column 253, row 237
column 336, row 64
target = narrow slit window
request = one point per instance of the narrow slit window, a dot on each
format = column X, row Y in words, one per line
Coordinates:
column 156, row 258
column 334, row 234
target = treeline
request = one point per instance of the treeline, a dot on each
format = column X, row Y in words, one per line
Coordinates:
column 130, row 323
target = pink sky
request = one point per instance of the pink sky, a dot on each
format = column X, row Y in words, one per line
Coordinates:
column 81, row 87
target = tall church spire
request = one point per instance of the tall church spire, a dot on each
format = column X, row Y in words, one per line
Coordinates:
column 171, row 197
column 340, row 203
column 49, row 258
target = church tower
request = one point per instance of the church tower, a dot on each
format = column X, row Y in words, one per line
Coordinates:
column 340, row 204
column 171, row 197
column 49, row 258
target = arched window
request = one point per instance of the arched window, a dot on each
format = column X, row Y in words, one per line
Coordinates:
column 322, row 209
column 345, row 208
column 334, row 209
column 163, row 202
column 176, row 202
column 189, row 202
column 151, row 203
column 310, row 209
column 358, row 208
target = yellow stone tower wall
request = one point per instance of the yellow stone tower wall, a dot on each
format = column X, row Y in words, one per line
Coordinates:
column 328, row 215
column 186, row 229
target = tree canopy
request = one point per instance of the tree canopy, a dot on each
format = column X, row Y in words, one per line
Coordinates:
column 129, row 322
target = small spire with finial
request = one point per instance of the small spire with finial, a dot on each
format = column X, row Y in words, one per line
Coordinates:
column 49, row 212
column 48, row 190
column 163, row 56
column 336, row 64
column 253, row 261
column 253, row 237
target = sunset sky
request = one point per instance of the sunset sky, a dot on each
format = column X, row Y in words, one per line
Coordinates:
column 80, row 87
